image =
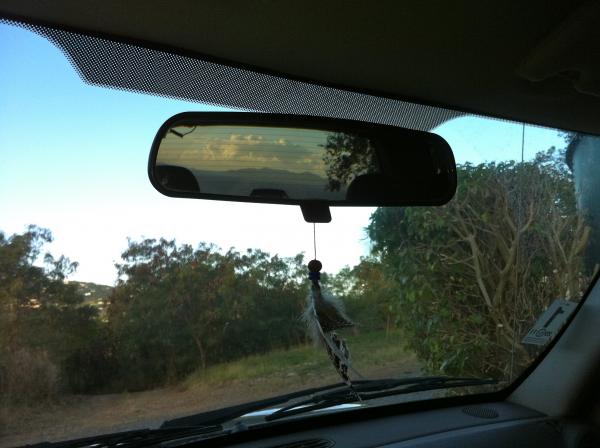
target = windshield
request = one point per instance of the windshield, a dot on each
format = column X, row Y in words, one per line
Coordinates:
column 121, row 308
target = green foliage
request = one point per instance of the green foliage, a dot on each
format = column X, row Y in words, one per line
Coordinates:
column 368, row 294
column 43, row 322
column 27, row 376
column 469, row 278
column 176, row 308
column 346, row 156
column 460, row 284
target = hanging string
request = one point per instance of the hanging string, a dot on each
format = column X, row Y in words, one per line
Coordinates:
column 315, row 239
column 523, row 144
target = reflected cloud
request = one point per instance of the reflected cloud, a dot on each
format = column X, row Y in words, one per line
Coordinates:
column 217, row 148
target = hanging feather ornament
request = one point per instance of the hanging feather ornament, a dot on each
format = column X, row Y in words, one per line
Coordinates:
column 324, row 315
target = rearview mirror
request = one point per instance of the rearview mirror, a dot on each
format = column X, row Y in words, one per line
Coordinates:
column 308, row 161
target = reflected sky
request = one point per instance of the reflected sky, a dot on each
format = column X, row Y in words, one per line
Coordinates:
column 222, row 148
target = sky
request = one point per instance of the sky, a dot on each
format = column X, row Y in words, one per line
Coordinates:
column 73, row 159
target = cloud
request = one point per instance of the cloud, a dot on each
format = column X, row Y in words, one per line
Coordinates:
column 220, row 150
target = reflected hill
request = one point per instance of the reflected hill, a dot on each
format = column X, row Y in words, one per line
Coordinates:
column 303, row 185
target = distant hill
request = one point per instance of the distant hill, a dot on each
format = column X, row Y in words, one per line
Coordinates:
column 93, row 292
column 242, row 182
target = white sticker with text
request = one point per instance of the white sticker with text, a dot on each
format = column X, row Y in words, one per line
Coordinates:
column 549, row 323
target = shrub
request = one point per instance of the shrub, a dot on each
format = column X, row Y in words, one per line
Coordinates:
column 27, row 377
column 471, row 277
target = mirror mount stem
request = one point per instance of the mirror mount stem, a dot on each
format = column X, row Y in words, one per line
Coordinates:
column 315, row 212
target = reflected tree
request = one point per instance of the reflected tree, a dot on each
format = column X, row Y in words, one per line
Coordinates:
column 346, row 157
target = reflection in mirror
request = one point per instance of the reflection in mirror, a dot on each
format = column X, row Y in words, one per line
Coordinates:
column 263, row 162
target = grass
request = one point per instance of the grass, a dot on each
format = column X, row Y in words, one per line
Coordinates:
column 371, row 352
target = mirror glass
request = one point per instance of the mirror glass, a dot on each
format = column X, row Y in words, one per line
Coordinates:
column 263, row 161
column 314, row 162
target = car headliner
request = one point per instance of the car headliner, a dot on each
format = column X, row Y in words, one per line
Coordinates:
column 536, row 61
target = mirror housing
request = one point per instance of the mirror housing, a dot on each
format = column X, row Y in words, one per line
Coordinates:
column 313, row 162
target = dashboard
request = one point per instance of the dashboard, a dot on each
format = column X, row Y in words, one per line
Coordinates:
column 490, row 425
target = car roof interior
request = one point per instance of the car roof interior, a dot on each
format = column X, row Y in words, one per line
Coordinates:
column 527, row 61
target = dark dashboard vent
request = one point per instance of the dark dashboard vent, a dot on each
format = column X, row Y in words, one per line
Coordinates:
column 480, row 412
column 308, row 443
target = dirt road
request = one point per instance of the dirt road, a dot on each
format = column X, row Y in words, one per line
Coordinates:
column 85, row 415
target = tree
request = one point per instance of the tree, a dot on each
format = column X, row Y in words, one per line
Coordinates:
column 176, row 309
column 368, row 294
column 472, row 276
column 43, row 321
column 347, row 156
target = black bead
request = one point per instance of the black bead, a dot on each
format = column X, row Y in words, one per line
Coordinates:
column 314, row 266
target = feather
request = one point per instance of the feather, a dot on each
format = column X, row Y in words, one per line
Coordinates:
column 330, row 312
column 342, row 362
column 324, row 315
